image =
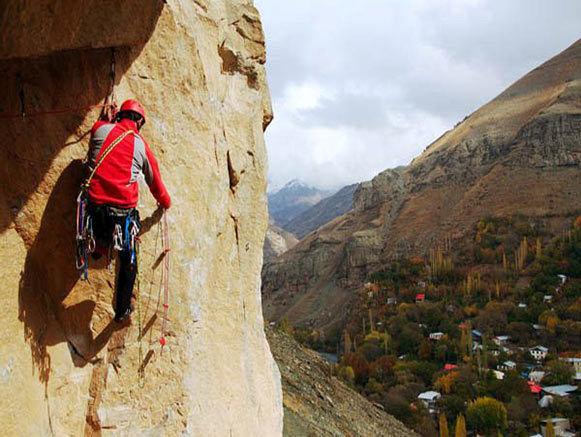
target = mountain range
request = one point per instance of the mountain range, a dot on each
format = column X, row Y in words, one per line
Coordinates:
column 293, row 199
column 322, row 212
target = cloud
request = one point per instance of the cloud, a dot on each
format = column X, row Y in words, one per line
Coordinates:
column 358, row 87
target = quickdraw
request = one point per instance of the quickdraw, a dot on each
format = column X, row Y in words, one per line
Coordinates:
column 84, row 237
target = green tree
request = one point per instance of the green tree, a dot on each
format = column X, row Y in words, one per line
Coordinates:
column 558, row 372
column 443, row 426
column 460, row 426
column 347, row 373
column 286, row 326
column 486, row 415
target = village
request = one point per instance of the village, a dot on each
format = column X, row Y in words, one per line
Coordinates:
column 438, row 338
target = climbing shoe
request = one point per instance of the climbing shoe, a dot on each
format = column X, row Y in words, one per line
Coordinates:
column 120, row 317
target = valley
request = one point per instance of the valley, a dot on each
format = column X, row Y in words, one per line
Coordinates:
column 453, row 284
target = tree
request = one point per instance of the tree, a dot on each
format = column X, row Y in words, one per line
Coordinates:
column 359, row 365
column 460, row 426
column 487, row 415
column 558, row 372
column 382, row 369
column 550, row 430
column 425, row 350
column 443, row 426
column 348, row 344
column 446, row 382
column 286, row 326
column 347, row 373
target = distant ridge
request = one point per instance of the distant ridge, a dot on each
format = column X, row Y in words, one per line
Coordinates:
column 292, row 199
column 322, row 212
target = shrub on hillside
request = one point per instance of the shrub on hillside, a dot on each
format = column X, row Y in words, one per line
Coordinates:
column 486, row 415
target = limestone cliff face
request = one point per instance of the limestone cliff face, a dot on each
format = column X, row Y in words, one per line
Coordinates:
column 518, row 154
column 65, row 367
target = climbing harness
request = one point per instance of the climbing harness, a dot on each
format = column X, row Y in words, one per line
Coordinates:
column 84, row 235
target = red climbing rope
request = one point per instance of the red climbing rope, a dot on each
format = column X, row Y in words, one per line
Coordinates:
column 166, row 250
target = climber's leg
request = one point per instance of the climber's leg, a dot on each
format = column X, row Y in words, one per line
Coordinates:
column 125, row 283
column 102, row 230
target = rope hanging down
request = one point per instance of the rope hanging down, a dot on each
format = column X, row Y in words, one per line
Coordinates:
column 166, row 251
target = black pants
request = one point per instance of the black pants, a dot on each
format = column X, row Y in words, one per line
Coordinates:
column 103, row 220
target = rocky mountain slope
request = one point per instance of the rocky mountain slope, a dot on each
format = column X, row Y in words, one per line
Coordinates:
column 291, row 200
column 277, row 242
column 66, row 368
column 322, row 212
column 518, row 154
column 318, row 404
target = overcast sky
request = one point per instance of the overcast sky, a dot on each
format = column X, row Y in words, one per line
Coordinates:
column 361, row 86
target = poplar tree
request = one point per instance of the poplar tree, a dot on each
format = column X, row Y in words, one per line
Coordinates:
column 348, row 344
column 550, row 429
column 443, row 426
column 460, row 426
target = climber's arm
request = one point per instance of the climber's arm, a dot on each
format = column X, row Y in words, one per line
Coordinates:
column 153, row 178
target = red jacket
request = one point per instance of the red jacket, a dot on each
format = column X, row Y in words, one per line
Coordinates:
column 115, row 181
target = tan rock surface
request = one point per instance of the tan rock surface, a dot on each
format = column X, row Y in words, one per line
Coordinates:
column 65, row 368
column 518, row 154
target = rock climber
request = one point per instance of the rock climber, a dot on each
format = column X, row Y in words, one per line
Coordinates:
column 113, row 194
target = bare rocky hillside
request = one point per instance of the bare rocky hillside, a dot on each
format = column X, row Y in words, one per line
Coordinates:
column 277, row 242
column 318, row 404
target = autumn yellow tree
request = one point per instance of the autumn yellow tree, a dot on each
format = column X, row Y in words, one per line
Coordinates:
column 550, row 430
column 348, row 344
column 286, row 326
column 460, row 426
column 443, row 426
column 446, row 382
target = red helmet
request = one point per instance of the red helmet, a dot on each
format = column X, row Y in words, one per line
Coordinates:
column 133, row 105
